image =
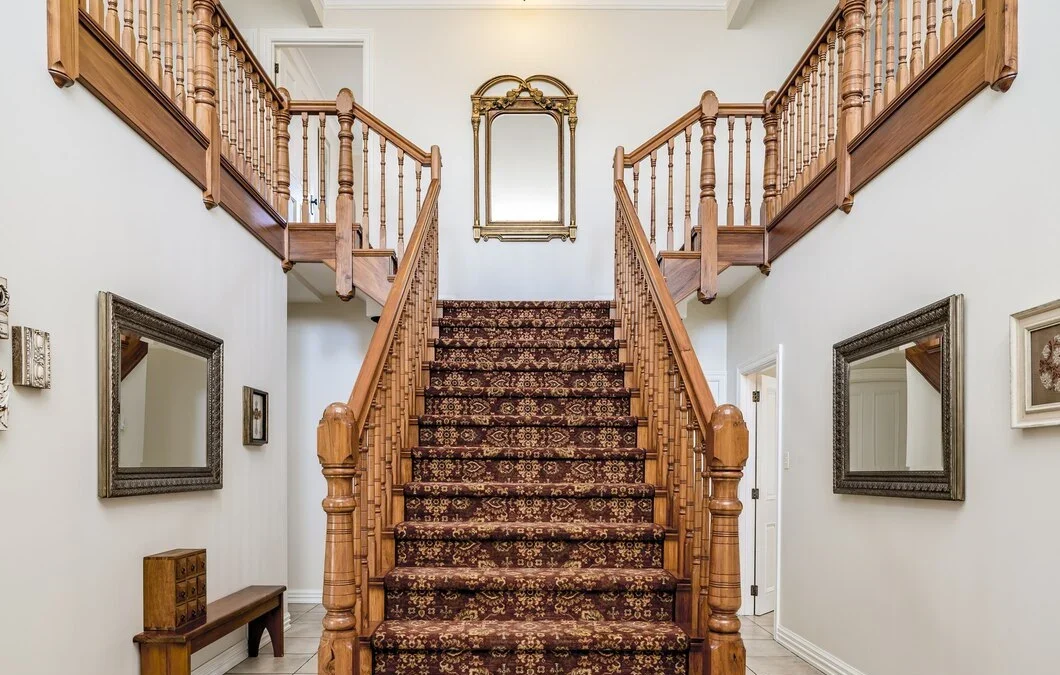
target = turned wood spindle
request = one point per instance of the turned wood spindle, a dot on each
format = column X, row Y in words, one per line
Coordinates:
column 226, row 146
column 903, row 54
column 670, row 197
column 248, row 118
column 322, row 165
column 179, row 90
column 305, row 167
column 948, row 27
column 916, row 59
column 654, row 161
column 708, row 202
column 877, row 92
column 128, row 36
column 823, row 106
column 793, row 136
column 110, row 22
column 798, row 136
column 401, row 204
column 95, row 10
column 636, row 186
column 156, row 43
column 747, row 121
column 142, row 52
column 783, row 156
column 771, row 173
column 167, row 56
column 230, row 78
column 814, row 116
column 687, row 242
column 869, row 91
column 419, row 174
column 189, row 30
column 283, row 155
column 891, row 84
column 834, row 99
column 269, row 141
column 364, row 180
column 255, row 126
column 382, row 191
column 852, row 56
column 965, row 14
column 932, row 43
column 730, row 210
column 344, row 205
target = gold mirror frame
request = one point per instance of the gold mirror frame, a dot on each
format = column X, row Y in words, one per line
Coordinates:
column 524, row 98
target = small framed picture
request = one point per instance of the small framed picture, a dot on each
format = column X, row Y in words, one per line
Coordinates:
column 1036, row 366
column 255, row 416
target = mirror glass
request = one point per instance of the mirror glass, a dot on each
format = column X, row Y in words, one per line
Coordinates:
column 895, row 403
column 163, row 409
column 524, row 168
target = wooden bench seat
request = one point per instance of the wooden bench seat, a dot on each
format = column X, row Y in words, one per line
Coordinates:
column 260, row 608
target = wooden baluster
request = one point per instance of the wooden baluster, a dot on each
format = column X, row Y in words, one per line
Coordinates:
column 793, row 138
column 344, row 205
column 868, row 91
column 747, row 171
column 270, row 146
column 730, row 210
column 142, row 52
column 305, row 167
column 205, row 81
column 259, row 96
column 233, row 109
column 364, row 181
column 771, row 176
column 891, row 86
column 110, row 22
column 815, row 115
column 932, row 45
column 852, row 56
column 877, row 92
column 823, row 106
column 156, row 43
column 636, row 186
column 903, row 53
column 339, row 460
column 248, row 117
column 727, row 652
column 419, row 173
column 128, row 36
column 965, row 14
column 223, row 90
column 798, row 137
column 401, row 204
column 916, row 61
column 782, row 158
column 179, row 90
column 167, row 55
column 670, row 197
column 834, row 99
column 283, row 155
column 948, row 28
column 322, row 165
column 654, row 161
column 687, row 243
column 189, row 94
column 252, row 115
column 95, row 10
column 382, row 191
column 708, row 203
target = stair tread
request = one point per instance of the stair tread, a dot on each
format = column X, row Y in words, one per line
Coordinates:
column 539, row 366
column 453, row 391
column 530, row 579
column 501, row 322
column 531, row 636
column 529, row 420
column 528, row 531
column 478, row 489
column 540, row 343
column 490, row 452
column 526, row 304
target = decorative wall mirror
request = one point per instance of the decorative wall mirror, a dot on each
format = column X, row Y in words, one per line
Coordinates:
column 898, row 410
column 525, row 158
column 159, row 403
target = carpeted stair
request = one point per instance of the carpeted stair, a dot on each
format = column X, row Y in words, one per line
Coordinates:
column 529, row 544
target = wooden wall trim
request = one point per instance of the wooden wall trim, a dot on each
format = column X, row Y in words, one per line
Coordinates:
column 813, row 205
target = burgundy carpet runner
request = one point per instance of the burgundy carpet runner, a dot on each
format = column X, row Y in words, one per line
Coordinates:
column 528, row 546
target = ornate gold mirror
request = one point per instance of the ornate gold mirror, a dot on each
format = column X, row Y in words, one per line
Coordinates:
column 525, row 158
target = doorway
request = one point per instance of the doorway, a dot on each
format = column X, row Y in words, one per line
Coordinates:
column 760, row 400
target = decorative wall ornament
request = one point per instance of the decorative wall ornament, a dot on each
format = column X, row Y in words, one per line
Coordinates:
column 526, row 193
column 5, row 307
column 255, row 416
column 5, row 392
column 31, row 351
column 1035, row 345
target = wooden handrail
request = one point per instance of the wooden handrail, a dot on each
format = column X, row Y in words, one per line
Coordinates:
column 226, row 20
column 374, row 123
column 828, row 25
column 684, row 121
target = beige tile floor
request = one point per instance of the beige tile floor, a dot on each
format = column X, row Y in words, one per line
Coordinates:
column 764, row 655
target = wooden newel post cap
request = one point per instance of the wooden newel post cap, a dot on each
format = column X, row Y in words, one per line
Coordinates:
column 285, row 98
column 335, row 436
column 730, row 437
column 344, row 101
column 708, row 104
column 620, row 163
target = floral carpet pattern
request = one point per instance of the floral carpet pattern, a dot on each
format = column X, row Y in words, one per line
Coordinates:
column 529, row 545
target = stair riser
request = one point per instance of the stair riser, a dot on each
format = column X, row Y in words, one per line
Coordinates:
column 463, row 605
column 492, row 553
column 452, row 406
column 528, row 436
column 529, row 509
column 527, row 333
column 528, row 379
column 509, row 356
column 500, row 661
column 527, row 471
column 529, row 313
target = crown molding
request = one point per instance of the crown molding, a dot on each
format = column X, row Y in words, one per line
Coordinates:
column 694, row 5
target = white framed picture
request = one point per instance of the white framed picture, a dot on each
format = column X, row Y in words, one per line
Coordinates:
column 1036, row 366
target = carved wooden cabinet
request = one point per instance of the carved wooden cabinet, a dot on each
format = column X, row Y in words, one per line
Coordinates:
column 174, row 588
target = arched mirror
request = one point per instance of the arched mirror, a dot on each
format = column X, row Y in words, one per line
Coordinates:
column 527, row 159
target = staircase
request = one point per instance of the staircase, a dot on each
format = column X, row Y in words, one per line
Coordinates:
column 529, row 543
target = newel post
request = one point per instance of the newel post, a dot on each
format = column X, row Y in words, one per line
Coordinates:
column 620, row 164
column 436, row 163
column 337, row 452
column 283, row 170
column 729, row 440
column 771, row 121
column 708, row 202
column 63, row 64
column 205, row 81
column 1002, row 38
column 344, row 204
column 852, row 90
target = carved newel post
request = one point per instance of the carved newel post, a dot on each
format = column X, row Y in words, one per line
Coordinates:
column 283, row 170
column 853, row 93
column 344, row 205
column 205, row 82
column 337, row 452
column 729, row 436
column 708, row 201
column 771, row 121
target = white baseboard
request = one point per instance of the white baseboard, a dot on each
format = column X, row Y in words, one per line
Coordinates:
column 826, row 662
column 305, row 596
column 233, row 656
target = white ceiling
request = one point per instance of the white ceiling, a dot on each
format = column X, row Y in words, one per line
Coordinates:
column 530, row 4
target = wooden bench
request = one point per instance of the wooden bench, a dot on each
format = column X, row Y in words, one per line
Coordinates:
column 258, row 607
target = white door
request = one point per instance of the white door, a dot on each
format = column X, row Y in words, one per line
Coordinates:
column 766, row 506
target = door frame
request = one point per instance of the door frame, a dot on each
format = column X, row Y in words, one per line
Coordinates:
column 270, row 39
column 772, row 358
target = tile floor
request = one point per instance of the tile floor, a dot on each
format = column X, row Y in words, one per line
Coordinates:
column 764, row 655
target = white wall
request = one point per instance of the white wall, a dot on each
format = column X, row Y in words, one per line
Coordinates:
column 90, row 206
column 634, row 71
column 905, row 586
column 707, row 327
column 326, row 345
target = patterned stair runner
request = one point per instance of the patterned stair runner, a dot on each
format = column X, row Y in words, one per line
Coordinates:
column 529, row 544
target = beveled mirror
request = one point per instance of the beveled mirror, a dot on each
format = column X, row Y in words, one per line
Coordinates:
column 526, row 159
column 898, row 408
column 160, row 403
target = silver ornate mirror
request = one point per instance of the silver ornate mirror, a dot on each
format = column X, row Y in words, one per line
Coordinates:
column 160, row 403
column 526, row 158
column 898, row 407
